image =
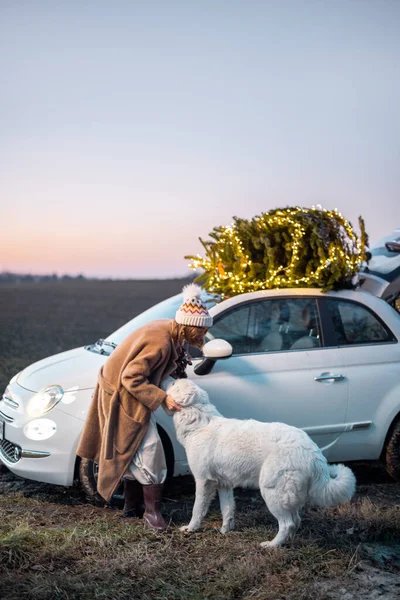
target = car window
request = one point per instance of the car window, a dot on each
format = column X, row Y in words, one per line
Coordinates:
column 233, row 327
column 356, row 324
column 270, row 326
column 303, row 327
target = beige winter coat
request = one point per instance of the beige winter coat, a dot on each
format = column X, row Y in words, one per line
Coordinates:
column 126, row 393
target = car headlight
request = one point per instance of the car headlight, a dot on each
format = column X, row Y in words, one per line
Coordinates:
column 45, row 400
column 40, row 429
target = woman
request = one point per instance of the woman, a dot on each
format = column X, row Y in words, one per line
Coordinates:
column 120, row 432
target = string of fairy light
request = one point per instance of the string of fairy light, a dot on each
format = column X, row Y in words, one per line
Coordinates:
column 282, row 276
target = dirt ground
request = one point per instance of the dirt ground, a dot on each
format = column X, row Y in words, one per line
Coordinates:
column 372, row 546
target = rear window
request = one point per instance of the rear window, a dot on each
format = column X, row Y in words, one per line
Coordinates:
column 355, row 324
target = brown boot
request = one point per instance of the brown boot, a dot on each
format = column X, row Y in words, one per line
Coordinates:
column 133, row 497
column 152, row 500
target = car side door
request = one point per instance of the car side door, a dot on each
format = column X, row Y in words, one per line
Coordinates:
column 371, row 354
column 280, row 369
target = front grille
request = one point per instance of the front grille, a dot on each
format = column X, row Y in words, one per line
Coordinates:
column 10, row 451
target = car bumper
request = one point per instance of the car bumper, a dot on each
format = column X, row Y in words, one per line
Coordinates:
column 49, row 460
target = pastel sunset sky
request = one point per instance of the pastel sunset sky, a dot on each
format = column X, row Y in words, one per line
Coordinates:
column 130, row 128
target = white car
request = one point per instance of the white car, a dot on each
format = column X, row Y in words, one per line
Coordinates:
column 381, row 276
column 328, row 363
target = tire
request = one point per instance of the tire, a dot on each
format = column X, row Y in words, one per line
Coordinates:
column 392, row 453
column 88, row 470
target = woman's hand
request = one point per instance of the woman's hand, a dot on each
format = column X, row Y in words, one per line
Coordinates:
column 171, row 404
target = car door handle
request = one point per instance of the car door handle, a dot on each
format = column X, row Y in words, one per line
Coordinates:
column 328, row 377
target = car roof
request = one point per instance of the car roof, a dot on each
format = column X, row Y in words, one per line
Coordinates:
column 358, row 295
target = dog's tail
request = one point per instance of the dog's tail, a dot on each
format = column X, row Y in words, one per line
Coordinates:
column 331, row 484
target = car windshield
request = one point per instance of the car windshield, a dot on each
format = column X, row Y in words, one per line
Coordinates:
column 383, row 259
column 162, row 310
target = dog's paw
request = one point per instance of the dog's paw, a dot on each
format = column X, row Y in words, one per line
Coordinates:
column 187, row 529
column 268, row 544
column 230, row 526
column 224, row 529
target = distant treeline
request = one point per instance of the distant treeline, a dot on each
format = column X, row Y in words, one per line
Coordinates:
column 6, row 277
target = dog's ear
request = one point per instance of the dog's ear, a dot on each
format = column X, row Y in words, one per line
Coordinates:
column 195, row 393
column 177, row 391
column 191, row 416
column 202, row 396
column 186, row 392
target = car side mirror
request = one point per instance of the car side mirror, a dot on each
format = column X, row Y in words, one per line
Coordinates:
column 212, row 351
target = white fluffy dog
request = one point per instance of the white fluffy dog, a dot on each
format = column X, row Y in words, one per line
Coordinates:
column 280, row 460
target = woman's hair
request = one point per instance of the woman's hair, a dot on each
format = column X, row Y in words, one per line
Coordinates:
column 178, row 332
column 184, row 332
column 189, row 333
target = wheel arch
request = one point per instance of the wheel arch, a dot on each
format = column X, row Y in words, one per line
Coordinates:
column 389, row 433
column 76, row 468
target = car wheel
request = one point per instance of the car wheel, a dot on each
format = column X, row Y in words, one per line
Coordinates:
column 392, row 455
column 88, row 472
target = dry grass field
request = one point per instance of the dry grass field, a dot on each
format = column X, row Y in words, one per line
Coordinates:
column 37, row 320
column 55, row 545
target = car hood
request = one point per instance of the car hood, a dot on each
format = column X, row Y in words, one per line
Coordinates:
column 77, row 368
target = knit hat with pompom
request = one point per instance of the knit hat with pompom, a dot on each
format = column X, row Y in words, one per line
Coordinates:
column 193, row 311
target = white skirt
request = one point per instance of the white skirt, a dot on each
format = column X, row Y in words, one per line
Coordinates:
column 148, row 465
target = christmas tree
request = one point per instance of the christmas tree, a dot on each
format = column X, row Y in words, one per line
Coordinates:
column 285, row 247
